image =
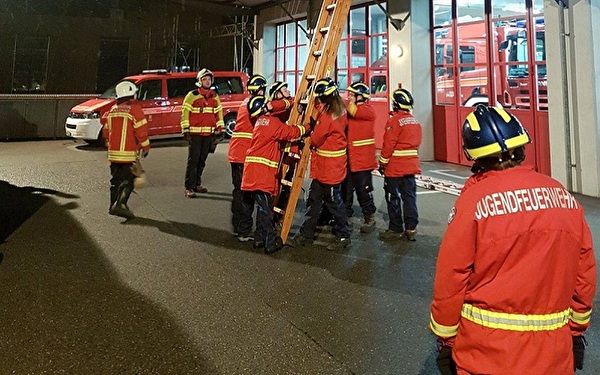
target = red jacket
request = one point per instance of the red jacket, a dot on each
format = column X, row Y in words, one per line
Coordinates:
column 262, row 159
column 242, row 133
column 361, row 137
column 328, row 143
column 201, row 113
column 126, row 130
column 401, row 140
column 515, row 275
column 241, row 138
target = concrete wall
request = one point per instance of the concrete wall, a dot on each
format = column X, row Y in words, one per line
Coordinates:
column 573, row 88
column 26, row 117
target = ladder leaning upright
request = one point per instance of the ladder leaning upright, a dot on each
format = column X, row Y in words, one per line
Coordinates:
column 320, row 63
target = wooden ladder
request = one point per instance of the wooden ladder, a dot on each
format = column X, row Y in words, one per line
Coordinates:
column 320, row 64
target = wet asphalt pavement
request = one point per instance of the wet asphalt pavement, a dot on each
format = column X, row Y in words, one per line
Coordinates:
column 174, row 292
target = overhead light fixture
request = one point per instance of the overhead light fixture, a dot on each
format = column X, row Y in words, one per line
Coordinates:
column 397, row 51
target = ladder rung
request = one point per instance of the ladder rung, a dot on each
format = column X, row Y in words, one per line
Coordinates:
column 304, row 101
column 317, row 53
column 311, row 77
column 331, row 7
column 278, row 210
column 295, row 156
column 286, row 182
column 324, row 30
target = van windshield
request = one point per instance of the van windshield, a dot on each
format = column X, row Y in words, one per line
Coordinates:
column 110, row 92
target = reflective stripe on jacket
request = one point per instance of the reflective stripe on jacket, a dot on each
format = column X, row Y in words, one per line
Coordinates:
column 262, row 159
column 328, row 142
column 126, row 131
column 515, row 275
column 361, row 137
column 401, row 141
column 201, row 112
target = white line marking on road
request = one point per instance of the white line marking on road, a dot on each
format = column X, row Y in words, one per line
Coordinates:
column 443, row 172
column 429, row 192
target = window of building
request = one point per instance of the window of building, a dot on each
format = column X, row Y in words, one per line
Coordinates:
column 31, row 65
column 291, row 53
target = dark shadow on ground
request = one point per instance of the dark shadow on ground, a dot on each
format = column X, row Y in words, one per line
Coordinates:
column 19, row 203
column 212, row 236
column 65, row 310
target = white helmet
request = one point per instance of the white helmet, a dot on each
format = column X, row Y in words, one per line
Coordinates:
column 125, row 89
column 203, row 73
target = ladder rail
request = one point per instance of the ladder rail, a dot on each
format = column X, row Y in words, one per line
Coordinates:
column 320, row 64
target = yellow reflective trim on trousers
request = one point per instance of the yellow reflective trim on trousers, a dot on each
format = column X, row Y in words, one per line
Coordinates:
column 259, row 160
column 405, row 153
column 441, row 330
column 515, row 322
column 363, row 142
column 581, row 318
column 331, row 154
column 241, row 135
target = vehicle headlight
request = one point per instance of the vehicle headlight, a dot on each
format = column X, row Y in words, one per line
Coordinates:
column 93, row 115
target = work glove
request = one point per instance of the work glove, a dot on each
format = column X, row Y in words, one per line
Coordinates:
column 444, row 361
column 579, row 344
column 187, row 137
column 218, row 131
column 145, row 153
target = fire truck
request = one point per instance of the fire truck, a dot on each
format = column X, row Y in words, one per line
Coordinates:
column 511, row 65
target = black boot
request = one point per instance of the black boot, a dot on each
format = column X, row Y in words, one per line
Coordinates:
column 114, row 194
column 120, row 208
column 274, row 246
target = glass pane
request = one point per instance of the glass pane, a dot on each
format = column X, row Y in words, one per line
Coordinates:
column 442, row 12
column 149, row 90
column 280, row 35
column 542, row 87
column 378, row 84
column 472, row 43
column 31, row 61
column 290, row 34
column 290, row 78
column 443, row 46
column 508, row 8
column 538, row 6
column 444, row 88
column 377, row 20
column 342, row 79
column 357, row 77
column 290, row 58
column 342, row 56
column 473, row 86
column 471, row 10
column 301, row 35
column 302, row 56
column 357, row 22
column 279, row 58
column 279, row 77
column 378, row 50
column 359, row 59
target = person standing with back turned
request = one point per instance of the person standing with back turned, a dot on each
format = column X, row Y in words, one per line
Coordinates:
column 398, row 163
column 516, row 273
column 126, row 131
column 201, row 118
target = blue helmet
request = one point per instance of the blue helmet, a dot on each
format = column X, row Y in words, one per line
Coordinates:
column 359, row 88
column 324, row 87
column 257, row 105
column 257, row 82
column 402, row 99
column 490, row 130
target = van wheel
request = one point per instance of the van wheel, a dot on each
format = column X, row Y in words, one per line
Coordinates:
column 229, row 124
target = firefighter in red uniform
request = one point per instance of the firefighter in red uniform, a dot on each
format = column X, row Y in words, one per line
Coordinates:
column 399, row 162
column 201, row 119
column 281, row 100
column 361, row 154
column 516, row 273
column 126, row 131
column 327, row 166
column 240, row 141
column 261, row 166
